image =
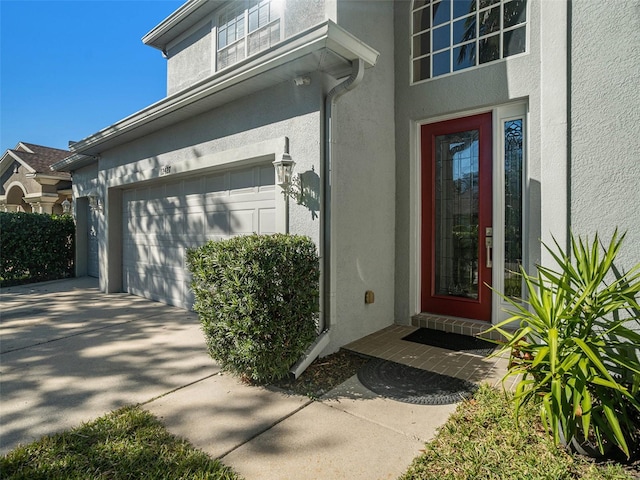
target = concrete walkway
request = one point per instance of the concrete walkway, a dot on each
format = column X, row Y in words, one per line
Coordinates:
column 69, row 354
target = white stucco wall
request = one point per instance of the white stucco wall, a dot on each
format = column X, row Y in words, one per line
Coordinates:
column 525, row 78
column 605, row 122
column 190, row 59
column 191, row 55
column 363, row 185
column 282, row 111
column 88, row 223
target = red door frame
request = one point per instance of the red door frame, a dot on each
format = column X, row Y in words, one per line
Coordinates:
column 479, row 309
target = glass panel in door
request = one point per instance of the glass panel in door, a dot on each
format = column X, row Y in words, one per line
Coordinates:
column 456, row 215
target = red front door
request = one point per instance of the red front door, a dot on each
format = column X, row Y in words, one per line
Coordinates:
column 456, row 217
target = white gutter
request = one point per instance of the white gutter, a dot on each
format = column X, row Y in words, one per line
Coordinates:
column 325, row 36
column 323, row 338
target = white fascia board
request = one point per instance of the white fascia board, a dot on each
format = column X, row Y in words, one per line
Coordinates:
column 9, row 157
column 160, row 36
column 325, row 36
column 22, row 145
column 5, row 162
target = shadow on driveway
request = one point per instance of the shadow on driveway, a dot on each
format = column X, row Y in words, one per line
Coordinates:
column 69, row 353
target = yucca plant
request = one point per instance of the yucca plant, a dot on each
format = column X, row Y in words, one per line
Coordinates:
column 576, row 346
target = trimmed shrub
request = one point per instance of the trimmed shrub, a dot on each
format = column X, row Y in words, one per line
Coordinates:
column 257, row 299
column 35, row 247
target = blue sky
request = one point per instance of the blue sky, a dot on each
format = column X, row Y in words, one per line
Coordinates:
column 70, row 68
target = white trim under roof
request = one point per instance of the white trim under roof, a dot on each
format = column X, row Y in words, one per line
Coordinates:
column 325, row 47
column 4, row 164
column 22, row 145
column 182, row 19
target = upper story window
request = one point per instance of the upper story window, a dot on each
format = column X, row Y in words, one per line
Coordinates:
column 453, row 35
column 245, row 28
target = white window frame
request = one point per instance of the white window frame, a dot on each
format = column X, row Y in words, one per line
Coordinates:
column 243, row 8
column 451, row 47
column 502, row 115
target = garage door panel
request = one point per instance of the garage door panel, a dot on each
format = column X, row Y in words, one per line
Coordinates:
column 157, row 193
column 267, row 177
column 242, row 181
column 217, row 185
column 166, row 257
column 149, row 286
column 150, row 225
column 174, row 223
column 192, row 200
column 160, row 222
column 174, row 191
column 218, row 223
column 154, row 278
column 142, row 193
column 195, row 223
column 128, row 196
column 132, row 253
column 267, row 219
column 242, row 222
column 192, row 185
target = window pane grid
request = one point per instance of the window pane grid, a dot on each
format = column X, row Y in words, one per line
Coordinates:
column 245, row 29
column 455, row 35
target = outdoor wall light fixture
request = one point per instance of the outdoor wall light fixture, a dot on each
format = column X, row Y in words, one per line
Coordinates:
column 66, row 206
column 94, row 200
column 284, row 171
column 284, row 178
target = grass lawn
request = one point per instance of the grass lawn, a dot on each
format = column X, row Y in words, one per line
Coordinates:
column 129, row 443
column 481, row 441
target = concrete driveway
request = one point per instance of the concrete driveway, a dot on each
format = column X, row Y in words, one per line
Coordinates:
column 69, row 353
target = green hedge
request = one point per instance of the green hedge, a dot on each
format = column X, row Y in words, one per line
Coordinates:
column 257, row 299
column 35, row 247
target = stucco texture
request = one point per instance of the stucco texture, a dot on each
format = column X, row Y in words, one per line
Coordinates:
column 363, row 183
column 605, row 121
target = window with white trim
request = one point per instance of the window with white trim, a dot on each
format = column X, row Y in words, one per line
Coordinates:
column 452, row 35
column 245, row 28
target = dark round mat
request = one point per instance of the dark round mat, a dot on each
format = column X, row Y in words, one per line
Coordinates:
column 413, row 385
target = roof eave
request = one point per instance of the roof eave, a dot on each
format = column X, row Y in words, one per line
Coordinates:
column 11, row 155
column 73, row 162
column 179, row 21
column 326, row 36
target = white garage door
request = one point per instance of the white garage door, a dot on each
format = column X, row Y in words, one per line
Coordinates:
column 161, row 221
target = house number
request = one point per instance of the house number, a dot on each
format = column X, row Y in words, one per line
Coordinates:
column 165, row 170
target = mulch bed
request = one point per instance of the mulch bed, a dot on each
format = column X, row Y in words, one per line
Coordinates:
column 324, row 374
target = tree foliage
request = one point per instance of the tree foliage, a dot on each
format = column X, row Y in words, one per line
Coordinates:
column 35, row 248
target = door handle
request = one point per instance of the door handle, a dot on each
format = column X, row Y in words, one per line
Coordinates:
column 488, row 243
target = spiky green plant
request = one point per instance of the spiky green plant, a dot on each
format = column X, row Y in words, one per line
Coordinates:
column 574, row 347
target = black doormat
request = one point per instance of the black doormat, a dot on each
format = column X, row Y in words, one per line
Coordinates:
column 451, row 341
column 413, row 385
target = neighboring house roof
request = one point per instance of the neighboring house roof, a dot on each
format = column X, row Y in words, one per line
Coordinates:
column 326, row 47
column 37, row 159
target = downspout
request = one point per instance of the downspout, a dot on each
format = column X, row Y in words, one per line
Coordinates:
column 321, row 342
